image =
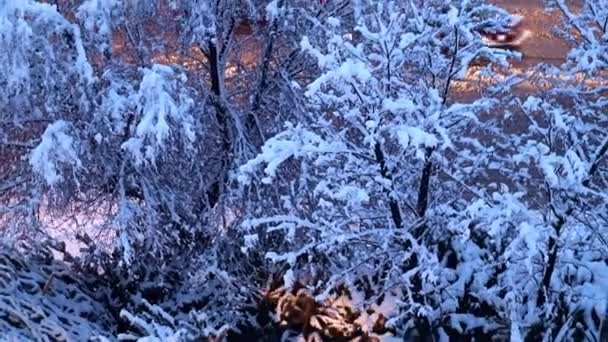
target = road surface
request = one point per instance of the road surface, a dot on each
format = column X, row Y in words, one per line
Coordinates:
column 544, row 44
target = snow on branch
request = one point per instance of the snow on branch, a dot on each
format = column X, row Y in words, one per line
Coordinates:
column 159, row 101
column 56, row 148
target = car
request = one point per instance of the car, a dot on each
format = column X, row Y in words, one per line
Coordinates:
column 510, row 37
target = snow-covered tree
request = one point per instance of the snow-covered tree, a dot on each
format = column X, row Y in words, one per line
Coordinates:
column 372, row 186
column 559, row 158
column 547, row 223
column 45, row 77
column 138, row 120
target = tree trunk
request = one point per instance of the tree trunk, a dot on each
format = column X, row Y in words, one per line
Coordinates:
column 425, row 182
column 541, row 298
column 251, row 123
column 392, row 203
column 221, row 114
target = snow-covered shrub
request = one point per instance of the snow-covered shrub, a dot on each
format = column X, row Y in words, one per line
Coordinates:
column 43, row 299
column 372, row 183
column 330, row 146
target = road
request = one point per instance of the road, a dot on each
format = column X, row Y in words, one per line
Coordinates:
column 544, row 44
